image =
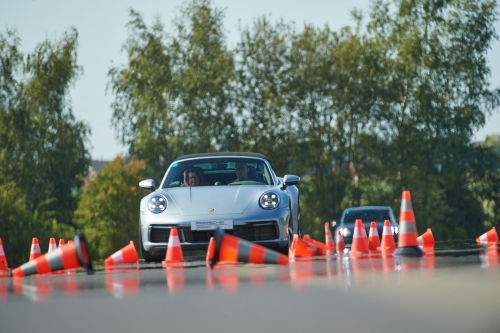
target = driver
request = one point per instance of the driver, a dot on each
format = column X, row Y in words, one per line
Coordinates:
column 241, row 171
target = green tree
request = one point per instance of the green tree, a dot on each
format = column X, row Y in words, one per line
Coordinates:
column 172, row 97
column 42, row 146
column 108, row 211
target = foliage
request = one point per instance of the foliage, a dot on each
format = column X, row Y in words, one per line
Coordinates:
column 42, row 146
column 108, row 211
column 361, row 113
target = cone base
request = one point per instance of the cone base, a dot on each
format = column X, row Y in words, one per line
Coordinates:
column 409, row 251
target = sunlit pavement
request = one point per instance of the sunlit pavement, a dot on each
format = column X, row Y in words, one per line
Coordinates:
column 445, row 291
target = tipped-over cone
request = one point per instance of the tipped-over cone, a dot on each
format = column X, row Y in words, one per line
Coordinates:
column 127, row 254
column 230, row 248
column 70, row 256
column 489, row 237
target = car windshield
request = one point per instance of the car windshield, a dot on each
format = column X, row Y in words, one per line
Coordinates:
column 218, row 171
column 367, row 215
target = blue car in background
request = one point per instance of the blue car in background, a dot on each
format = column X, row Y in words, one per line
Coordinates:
column 367, row 214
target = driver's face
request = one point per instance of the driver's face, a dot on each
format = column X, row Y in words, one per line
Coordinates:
column 241, row 170
column 193, row 179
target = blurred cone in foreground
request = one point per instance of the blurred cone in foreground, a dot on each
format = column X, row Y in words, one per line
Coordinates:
column 359, row 239
column 340, row 243
column 407, row 239
column 387, row 244
column 301, row 248
column 373, row 239
column 329, row 239
column 4, row 267
column 174, row 250
column 233, row 249
column 426, row 239
column 322, row 248
column 128, row 254
column 210, row 251
column 35, row 249
column 71, row 256
column 72, row 270
column 489, row 237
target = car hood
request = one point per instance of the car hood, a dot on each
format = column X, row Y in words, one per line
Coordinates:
column 205, row 200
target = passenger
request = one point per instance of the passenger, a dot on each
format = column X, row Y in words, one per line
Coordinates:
column 192, row 177
column 241, row 171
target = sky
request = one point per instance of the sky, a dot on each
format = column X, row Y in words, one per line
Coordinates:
column 102, row 33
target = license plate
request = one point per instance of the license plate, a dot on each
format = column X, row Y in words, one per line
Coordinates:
column 211, row 225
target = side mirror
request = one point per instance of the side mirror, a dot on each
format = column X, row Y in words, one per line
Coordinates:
column 148, row 184
column 334, row 223
column 289, row 180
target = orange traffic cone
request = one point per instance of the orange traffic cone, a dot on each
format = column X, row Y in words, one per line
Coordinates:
column 61, row 242
column 4, row 267
column 373, row 239
column 301, row 248
column 128, row 254
column 322, row 248
column 233, row 249
column 359, row 239
column 174, row 250
column 210, row 251
column 426, row 239
column 52, row 245
column 489, row 237
column 329, row 239
column 387, row 244
column 71, row 256
column 407, row 238
column 340, row 243
column 35, row 249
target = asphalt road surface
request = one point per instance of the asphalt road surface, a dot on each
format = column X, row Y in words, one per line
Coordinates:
column 450, row 291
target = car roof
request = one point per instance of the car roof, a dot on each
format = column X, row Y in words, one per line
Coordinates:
column 369, row 207
column 227, row 154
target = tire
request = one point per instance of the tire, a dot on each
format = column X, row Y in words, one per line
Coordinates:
column 285, row 249
column 148, row 257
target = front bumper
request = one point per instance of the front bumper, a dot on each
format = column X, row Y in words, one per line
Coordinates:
column 268, row 229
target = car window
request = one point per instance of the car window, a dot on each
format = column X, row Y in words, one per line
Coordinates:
column 367, row 215
column 219, row 172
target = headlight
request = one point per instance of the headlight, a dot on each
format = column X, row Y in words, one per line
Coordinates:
column 269, row 200
column 345, row 232
column 157, row 204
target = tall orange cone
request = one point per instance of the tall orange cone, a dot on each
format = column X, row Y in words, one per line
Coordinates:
column 387, row 244
column 340, row 243
column 407, row 238
column 301, row 248
column 35, row 249
column 52, row 245
column 359, row 240
column 329, row 239
column 233, row 249
column 61, row 242
column 373, row 239
column 71, row 256
column 4, row 267
column 489, row 237
column 174, row 250
column 322, row 248
column 426, row 239
column 128, row 254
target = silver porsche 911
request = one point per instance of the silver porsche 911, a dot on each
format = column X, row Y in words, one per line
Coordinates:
column 238, row 192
